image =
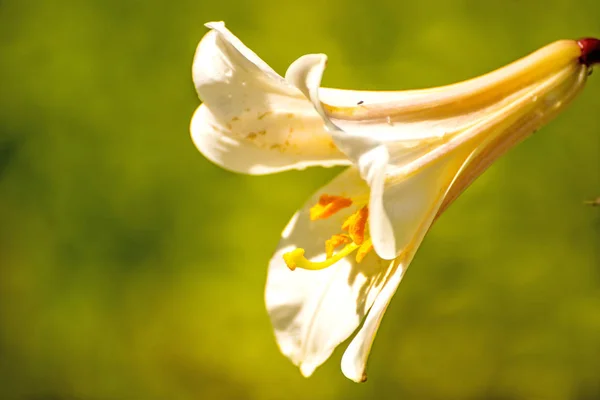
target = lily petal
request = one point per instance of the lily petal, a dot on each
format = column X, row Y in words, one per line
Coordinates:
column 355, row 357
column 400, row 204
column 354, row 360
column 314, row 311
column 306, row 74
column 423, row 128
column 252, row 120
column 403, row 205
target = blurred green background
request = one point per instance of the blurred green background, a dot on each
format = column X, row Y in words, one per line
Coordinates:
column 132, row 268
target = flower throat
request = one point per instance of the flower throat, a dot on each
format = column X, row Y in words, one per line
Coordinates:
column 353, row 235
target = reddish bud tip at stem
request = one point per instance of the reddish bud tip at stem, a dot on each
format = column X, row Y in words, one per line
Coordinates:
column 590, row 51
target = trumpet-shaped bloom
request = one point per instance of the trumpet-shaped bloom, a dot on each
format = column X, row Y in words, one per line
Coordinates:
column 411, row 153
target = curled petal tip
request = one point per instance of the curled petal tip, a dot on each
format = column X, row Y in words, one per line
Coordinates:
column 215, row 25
column 590, row 51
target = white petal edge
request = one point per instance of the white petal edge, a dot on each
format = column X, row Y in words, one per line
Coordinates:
column 236, row 51
column 312, row 312
column 354, row 360
column 306, row 73
column 252, row 120
column 405, row 203
column 242, row 156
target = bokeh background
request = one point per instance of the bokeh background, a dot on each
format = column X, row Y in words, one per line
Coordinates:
column 132, row 268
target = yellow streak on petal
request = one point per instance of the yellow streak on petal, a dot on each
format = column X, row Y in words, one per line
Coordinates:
column 472, row 94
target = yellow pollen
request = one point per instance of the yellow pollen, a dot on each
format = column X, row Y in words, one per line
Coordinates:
column 335, row 241
column 363, row 250
column 328, row 205
column 356, row 224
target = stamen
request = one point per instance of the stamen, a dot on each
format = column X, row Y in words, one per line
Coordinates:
column 328, row 205
column 356, row 224
column 364, row 249
column 335, row 241
column 356, row 239
column 295, row 258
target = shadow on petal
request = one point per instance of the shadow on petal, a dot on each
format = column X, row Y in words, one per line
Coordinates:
column 313, row 311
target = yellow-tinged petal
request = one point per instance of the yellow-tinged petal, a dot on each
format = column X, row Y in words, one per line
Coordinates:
column 415, row 130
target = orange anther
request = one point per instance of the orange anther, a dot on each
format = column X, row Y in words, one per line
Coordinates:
column 335, row 241
column 356, row 224
column 363, row 250
column 328, row 205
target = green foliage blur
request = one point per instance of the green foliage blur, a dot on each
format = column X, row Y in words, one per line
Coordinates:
column 133, row 268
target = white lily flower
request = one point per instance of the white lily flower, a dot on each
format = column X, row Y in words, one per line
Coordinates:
column 412, row 153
